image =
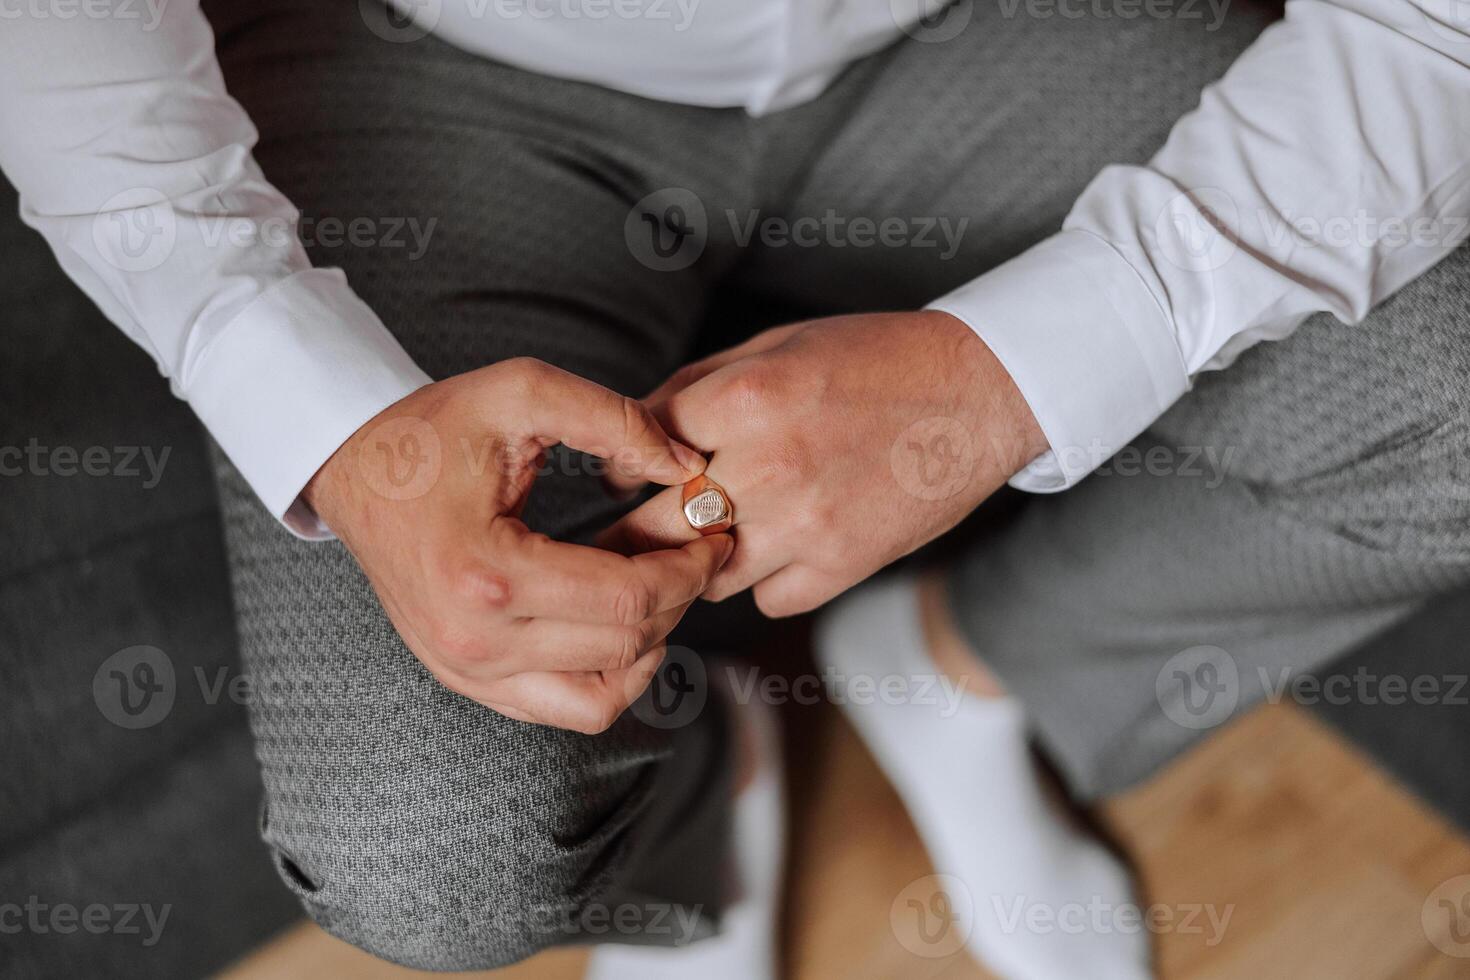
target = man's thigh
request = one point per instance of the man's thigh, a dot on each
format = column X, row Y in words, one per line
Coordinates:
column 1285, row 511
column 481, row 212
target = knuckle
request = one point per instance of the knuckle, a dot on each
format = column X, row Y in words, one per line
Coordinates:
column 639, row 433
column 763, row 382
column 525, row 374
column 478, row 585
column 633, row 602
column 528, row 367
column 458, row 647
column 747, row 392
column 647, row 636
column 637, row 419
column 630, row 647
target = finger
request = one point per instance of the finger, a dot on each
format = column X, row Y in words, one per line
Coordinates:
column 656, row 523
column 691, row 373
column 660, row 523
column 714, row 411
column 548, row 645
column 761, row 553
column 577, row 583
column 599, row 421
column 796, row 589
column 582, row 702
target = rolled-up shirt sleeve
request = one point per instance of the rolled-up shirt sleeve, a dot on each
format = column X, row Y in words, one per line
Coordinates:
column 1327, row 169
column 135, row 165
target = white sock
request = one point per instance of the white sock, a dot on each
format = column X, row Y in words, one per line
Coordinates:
column 1037, row 887
column 745, row 948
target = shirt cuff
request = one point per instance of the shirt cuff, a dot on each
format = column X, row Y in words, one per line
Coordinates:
column 1089, row 347
column 291, row 377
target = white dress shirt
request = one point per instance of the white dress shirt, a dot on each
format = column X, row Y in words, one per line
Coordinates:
column 1329, row 167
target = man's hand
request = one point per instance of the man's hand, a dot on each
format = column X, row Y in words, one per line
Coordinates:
column 427, row 497
column 844, row 444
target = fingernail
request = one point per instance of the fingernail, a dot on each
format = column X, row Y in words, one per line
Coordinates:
column 729, row 549
column 688, row 458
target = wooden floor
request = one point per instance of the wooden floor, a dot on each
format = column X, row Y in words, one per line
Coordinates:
column 1326, row 868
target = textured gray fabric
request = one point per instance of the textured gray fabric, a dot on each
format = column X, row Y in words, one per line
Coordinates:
column 1345, row 505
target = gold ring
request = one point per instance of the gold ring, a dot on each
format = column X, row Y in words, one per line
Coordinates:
column 707, row 507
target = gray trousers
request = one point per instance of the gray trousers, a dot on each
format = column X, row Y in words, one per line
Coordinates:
column 432, row 831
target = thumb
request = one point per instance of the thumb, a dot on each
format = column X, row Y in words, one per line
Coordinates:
column 592, row 419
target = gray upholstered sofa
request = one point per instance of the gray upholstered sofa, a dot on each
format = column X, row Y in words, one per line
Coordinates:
column 92, row 814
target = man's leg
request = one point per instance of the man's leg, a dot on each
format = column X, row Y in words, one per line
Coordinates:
column 1286, row 510
column 481, row 211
